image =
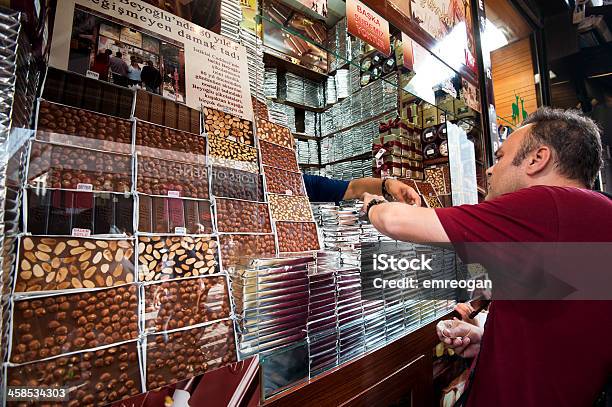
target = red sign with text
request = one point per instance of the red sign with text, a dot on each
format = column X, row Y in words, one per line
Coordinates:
column 367, row 25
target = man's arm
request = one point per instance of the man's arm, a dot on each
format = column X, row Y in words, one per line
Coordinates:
column 321, row 189
column 405, row 222
column 397, row 189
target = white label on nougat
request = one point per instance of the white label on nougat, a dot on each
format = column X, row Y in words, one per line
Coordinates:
column 84, row 187
column 174, row 194
column 180, row 230
column 78, row 232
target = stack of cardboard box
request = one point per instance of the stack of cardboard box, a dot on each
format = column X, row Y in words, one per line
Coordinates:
column 397, row 152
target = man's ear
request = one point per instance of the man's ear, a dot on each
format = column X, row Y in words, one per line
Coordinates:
column 538, row 159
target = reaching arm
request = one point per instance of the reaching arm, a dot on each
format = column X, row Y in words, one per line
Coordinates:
column 398, row 190
column 360, row 186
column 322, row 189
column 405, row 222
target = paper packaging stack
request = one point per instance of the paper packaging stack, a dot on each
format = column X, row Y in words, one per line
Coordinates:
column 18, row 82
column 396, row 151
column 255, row 63
column 271, row 298
column 231, row 16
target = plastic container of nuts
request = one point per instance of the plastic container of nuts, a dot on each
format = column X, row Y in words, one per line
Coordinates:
column 284, row 182
column 51, row 263
column 290, row 208
column 153, row 140
column 237, row 248
column 279, row 157
column 233, row 183
column 50, row 326
column 274, row 133
column 178, row 304
column 60, row 212
column 174, row 257
column 95, row 377
column 180, row 354
column 72, row 126
column 165, row 177
column 157, row 214
column 297, row 237
column 57, row 166
column 229, row 126
column 227, row 153
column 235, row 216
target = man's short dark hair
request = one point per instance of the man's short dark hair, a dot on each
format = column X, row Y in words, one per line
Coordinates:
column 574, row 139
column 118, row 54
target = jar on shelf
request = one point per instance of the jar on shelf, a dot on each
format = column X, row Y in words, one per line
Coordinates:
column 429, row 135
column 430, row 151
column 441, row 131
column 443, row 149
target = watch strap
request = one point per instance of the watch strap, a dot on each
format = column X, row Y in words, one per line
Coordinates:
column 386, row 193
column 372, row 203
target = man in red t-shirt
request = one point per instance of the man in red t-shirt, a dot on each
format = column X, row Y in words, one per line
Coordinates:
column 530, row 353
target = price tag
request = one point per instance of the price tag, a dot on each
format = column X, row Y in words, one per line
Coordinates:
column 289, row 192
column 151, row 315
column 92, row 74
column 380, row 153
column 430, row 151
column 84, row 187
column 180, row 230
column 174, row 194
column 78, row 232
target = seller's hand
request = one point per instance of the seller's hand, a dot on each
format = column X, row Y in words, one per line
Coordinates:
column 462, row 337
column 464, row 309
column 402, row 192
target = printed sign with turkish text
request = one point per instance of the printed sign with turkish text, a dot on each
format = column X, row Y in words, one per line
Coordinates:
column 367, row 25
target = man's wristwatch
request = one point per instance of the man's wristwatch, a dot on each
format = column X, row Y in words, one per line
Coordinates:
column 372, row 203
column 386, row 193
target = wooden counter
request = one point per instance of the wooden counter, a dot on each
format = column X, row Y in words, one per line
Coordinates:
column 400, row 373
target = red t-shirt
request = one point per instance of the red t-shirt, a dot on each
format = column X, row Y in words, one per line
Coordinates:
column 540, row 353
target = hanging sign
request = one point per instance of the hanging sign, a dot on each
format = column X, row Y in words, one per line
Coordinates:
column 368, row 26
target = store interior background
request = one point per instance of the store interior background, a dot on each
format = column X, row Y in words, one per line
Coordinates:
column 340, row 99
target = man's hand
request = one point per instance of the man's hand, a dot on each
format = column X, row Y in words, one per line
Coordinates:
column 366, row 198
column 402, row 192
column 462, row 337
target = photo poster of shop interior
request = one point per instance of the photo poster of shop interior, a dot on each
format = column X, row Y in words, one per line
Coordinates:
column 189, row 63
column 318, row 6
column 449, row 23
